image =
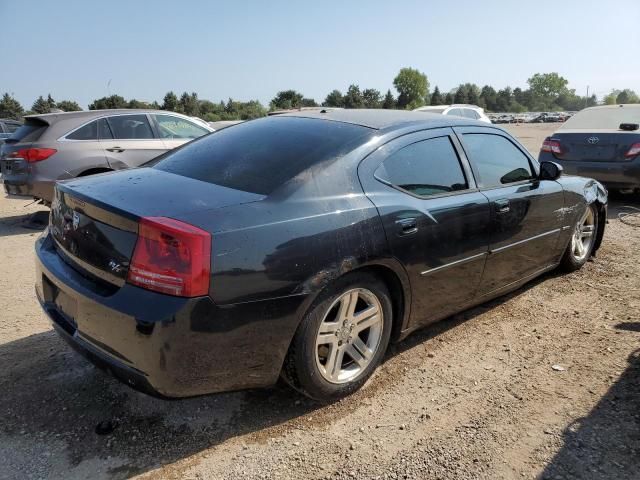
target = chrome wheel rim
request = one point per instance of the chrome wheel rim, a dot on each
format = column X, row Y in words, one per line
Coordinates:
column 349, row 336
column 583, row 235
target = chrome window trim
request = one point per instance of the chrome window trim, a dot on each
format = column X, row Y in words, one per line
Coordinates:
column 64, row 138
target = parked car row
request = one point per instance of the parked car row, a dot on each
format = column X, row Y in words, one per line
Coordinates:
column 531, row 117
column 459, row 110
column 296, row 246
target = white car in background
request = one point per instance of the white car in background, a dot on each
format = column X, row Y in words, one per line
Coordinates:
column 459, row 110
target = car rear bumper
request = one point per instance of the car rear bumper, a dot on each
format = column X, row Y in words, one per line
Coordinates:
column 28, row 189
column 162, row 345
column 611, row 174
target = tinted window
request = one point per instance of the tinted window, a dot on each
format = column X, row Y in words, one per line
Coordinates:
column 130, row 127
column 88, row 132
column 260, row 155
column 608, row 118
column 104, row 132
column 29, row 132
column 497, row 159
column 424, row 168
column 176, row 127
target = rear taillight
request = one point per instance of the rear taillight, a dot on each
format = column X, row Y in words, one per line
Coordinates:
column 552, row 146
column 32, row 155
column 171, row 257
column 633, row 151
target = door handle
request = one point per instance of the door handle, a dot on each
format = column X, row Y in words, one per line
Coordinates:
column 115, row 149
column 407, row 226
column 502, row 205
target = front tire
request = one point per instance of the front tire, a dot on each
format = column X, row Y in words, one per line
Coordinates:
column 342, row 338
column 582, row 241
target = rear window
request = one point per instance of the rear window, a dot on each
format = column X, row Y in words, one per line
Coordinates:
column 29, row 132
column 602, row 118
column 261, row 155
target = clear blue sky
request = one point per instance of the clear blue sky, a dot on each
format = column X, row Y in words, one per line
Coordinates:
column 252, row 49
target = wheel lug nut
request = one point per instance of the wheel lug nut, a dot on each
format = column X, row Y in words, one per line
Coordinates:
column 340, row 343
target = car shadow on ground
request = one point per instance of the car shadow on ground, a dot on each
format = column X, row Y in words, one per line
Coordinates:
column 597, row 446
column 619, row 203
column 23, row 224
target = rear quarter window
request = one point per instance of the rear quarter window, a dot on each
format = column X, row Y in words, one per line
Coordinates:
column 261, row 155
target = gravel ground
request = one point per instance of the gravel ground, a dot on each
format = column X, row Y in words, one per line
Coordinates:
column 541, row 383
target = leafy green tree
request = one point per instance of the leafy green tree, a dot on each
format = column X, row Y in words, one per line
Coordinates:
column 473, row 94
column 170, row 102
column 448, row 99
column 371, row 98
column 627, row 96
column 504, row 98
column 413, row 88
column 436, row 97
column 488, row 96
column 389, row 101
column 353, row 98
column 286, row 100
column 10, row 108
column 308, row 102
column 41, row 106
column 545, row 89
column 334, row 99
column 114, row 101
column 68, row 106
column 612, row 98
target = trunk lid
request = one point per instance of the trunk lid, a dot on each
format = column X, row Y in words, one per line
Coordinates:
column 595, row 145
column 23, row 137
column 94, row 220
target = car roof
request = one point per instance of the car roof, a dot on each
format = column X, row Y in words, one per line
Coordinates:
column 380, row 119
column 52, row 118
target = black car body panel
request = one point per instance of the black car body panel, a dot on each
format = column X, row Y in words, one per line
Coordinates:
column 273, row 253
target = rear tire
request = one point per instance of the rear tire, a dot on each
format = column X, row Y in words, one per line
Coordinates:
column 341, row 339
column 583, row 239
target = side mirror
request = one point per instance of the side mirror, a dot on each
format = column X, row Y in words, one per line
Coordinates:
column 550, row 171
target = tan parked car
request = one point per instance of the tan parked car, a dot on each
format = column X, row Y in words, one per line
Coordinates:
column 59, row 146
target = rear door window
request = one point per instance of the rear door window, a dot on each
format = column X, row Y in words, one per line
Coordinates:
column 86, row 132
column 261, row 155
column 130, row 127
column 497, row 159
column 104, row 131
column 172, row 127
column 425, row 168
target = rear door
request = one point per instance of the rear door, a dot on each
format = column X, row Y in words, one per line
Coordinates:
column 175, row 130
column 130, row 141
column 526, row 213
column 435, row 220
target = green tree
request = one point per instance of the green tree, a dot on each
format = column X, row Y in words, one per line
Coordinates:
column 68, row 106
column 462, row 95
column 41, row 105
column 504, row 98
column 488, row 96
column 114, row 101
column 10, row 107
column 51, row 102
column 448, row 99
column 334, row 99
column 389, row 101
column 371, row 98
column 170, row 102
column 627, row 96
column 286, row 100
column 308, row 102
column 413, row 88
column 436, row 97
column 545, row 89
column 188, row 104
column 353, row 98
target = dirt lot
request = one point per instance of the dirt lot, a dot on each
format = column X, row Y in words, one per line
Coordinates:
column 473, row 397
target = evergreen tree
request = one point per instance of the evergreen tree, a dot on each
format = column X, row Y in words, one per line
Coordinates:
column 389, row 101
column 436, row 97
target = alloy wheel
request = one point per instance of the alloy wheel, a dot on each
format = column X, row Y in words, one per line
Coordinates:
column 583, row 235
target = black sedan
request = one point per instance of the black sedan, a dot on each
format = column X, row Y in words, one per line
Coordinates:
column 599, row 142
column 300, row 245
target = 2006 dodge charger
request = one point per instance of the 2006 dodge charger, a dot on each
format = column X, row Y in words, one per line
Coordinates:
column 299, row 245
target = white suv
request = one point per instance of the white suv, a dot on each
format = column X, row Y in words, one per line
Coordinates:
column 467, row 111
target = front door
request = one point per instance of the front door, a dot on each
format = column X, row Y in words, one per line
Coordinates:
column 526, row 213
column 435, row 219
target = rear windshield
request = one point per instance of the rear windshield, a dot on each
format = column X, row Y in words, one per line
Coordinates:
column 602, row 118
column 434, row 110
column 261, row 155
column 29, row 132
